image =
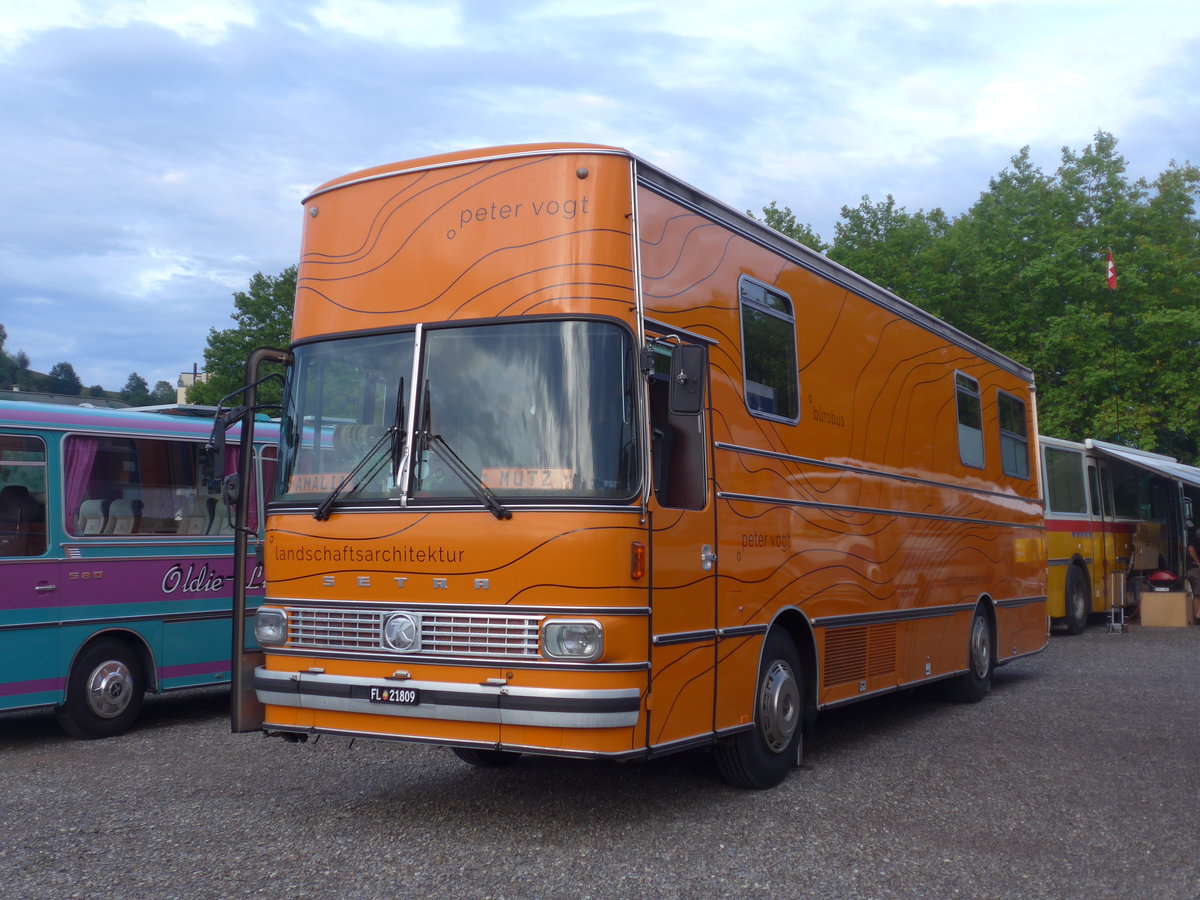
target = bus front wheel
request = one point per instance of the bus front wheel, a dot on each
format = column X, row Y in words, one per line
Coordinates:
column 105, row 690
column 762, row 756
column 1078, row 602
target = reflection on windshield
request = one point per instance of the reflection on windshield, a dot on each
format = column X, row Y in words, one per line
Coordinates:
column 533, row 409
column 342, row 399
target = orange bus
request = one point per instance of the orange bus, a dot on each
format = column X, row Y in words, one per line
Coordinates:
column 1117, row 522
column 577, row 460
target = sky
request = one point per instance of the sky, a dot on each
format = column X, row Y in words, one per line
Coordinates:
column 154, row 153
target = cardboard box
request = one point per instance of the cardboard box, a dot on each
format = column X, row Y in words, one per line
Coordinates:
column 1146, row 545
column 1165, row 609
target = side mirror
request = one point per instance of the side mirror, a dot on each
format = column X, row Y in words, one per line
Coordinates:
column 231, row 489
column 687, row 380
column 212, row 455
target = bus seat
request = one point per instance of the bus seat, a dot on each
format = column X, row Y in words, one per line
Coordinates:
column 197, row 516
column 17, row 513
column 219, row 523
column 124, row 517
column 93, row 516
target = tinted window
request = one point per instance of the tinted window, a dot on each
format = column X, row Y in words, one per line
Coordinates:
column 1064, row 481
column 769, row 352
column 970, row 420
column 1014, row 436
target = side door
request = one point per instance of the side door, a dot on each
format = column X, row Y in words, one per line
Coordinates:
column 1106, row 554
column 30, row 672
column 682, row 558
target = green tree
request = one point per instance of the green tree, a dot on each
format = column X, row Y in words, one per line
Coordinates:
column 163, row 394
column 264, row 319
column 900, row 251
column 8, row 365
column 1024, row 270
column 63, row 380
column 784, row 221
column 1110, row 364
column 136, row 391
column 22, row 376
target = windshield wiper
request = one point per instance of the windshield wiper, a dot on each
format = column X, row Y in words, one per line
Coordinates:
column 394, row 433
column 321, row 513
column 474, row 483
column 453, row 461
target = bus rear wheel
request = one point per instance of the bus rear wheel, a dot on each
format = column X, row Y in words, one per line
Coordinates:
column 761, row 757
column 105, row 690
column 1077, row 601
column 973, row 685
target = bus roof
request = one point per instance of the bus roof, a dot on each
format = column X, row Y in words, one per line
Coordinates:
column 60, row 417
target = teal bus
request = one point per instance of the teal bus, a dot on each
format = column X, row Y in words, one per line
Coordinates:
column 117, row 558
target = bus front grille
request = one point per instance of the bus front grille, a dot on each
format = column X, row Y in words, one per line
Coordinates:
column 456, row 634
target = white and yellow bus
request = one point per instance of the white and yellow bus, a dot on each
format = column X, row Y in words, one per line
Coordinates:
column 1116, row 525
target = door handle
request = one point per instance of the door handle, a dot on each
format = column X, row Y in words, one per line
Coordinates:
column 46, row 588
column 708, row 557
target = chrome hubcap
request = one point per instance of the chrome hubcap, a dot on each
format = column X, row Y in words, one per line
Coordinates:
column 778, row 706
column 981, row 647
column 109, row 689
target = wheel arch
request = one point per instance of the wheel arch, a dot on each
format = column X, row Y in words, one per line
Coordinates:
column 796, row 625
column 988, row 605
column 127, row 636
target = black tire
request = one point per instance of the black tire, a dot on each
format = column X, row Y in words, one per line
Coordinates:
column 486, row 759
column 105, row 690
column 1078, row 601
column 975, row 683
column 762, row 757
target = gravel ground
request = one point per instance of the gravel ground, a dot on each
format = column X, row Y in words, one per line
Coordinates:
column 1076, row 777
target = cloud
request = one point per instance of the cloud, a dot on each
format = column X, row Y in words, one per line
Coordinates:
column 155, row 152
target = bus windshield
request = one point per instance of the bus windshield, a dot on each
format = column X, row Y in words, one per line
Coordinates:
column 531, row 409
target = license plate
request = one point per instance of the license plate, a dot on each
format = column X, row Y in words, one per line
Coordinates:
column 401, row 696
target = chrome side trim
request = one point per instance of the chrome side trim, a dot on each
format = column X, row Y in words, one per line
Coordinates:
column 738, row 631
column 684, row 637
column 1016, row 602
column 496, row 704
column 893, row 615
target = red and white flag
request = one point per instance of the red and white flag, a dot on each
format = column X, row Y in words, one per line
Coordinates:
column 1112, row 272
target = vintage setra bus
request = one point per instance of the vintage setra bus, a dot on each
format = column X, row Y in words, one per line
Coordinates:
column 117, row 559
column 578, row 460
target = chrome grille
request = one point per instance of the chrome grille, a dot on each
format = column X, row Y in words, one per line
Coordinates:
column 442, row 633
column 473, row 635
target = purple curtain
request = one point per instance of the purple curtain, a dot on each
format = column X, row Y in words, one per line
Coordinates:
column 79, row 456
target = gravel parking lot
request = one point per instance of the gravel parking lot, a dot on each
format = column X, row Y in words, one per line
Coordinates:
column 1076, row 777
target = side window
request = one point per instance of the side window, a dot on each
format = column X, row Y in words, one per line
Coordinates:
column 769, row 351
column 970, row 420
column 1064, row 481
column 22, row 495
column 123, row 486
column 677, row 445
column 1014, row 436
